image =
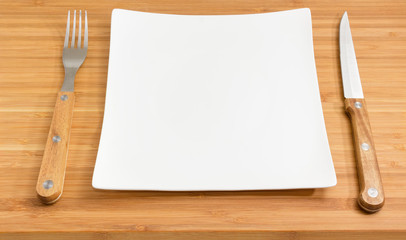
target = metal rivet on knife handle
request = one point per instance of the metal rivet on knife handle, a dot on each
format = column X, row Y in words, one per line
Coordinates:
column 372, row 192
column 365, row 146
column 358, row 105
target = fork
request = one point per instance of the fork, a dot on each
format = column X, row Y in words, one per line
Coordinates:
column 52, row 173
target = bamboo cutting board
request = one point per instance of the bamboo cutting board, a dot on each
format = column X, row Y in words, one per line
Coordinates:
column 31, row 73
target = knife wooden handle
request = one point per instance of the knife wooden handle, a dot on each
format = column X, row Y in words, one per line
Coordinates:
column 52, row 173
column 371, row 197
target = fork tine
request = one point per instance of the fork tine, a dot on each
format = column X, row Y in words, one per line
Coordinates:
column 65, row 45
column 73, row 30
column 85, row 40
column 80, row 29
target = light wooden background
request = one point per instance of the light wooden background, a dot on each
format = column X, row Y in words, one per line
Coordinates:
column 31, row 73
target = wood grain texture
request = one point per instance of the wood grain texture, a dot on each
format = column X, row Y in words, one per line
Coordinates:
column 367, row 164
column 53, row 165
column 31, row 73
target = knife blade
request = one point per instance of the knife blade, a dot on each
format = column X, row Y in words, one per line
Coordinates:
column 371, row 197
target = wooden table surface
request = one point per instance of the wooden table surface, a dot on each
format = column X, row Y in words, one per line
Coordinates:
column 31, row 74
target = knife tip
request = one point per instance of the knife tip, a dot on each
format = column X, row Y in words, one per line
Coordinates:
column 344, row 17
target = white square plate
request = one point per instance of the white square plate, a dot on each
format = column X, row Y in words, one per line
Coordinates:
column 226, row 102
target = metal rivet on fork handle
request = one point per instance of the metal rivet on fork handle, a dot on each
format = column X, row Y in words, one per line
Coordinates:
column 48, row 184
column 56, row 139
column 64, row 97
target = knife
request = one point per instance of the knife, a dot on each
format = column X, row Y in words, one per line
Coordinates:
column 371, row 197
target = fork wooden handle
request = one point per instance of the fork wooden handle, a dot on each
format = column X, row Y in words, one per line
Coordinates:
column 52, row 173
column 371, row 197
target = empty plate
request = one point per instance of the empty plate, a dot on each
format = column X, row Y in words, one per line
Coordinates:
column 225, row 102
